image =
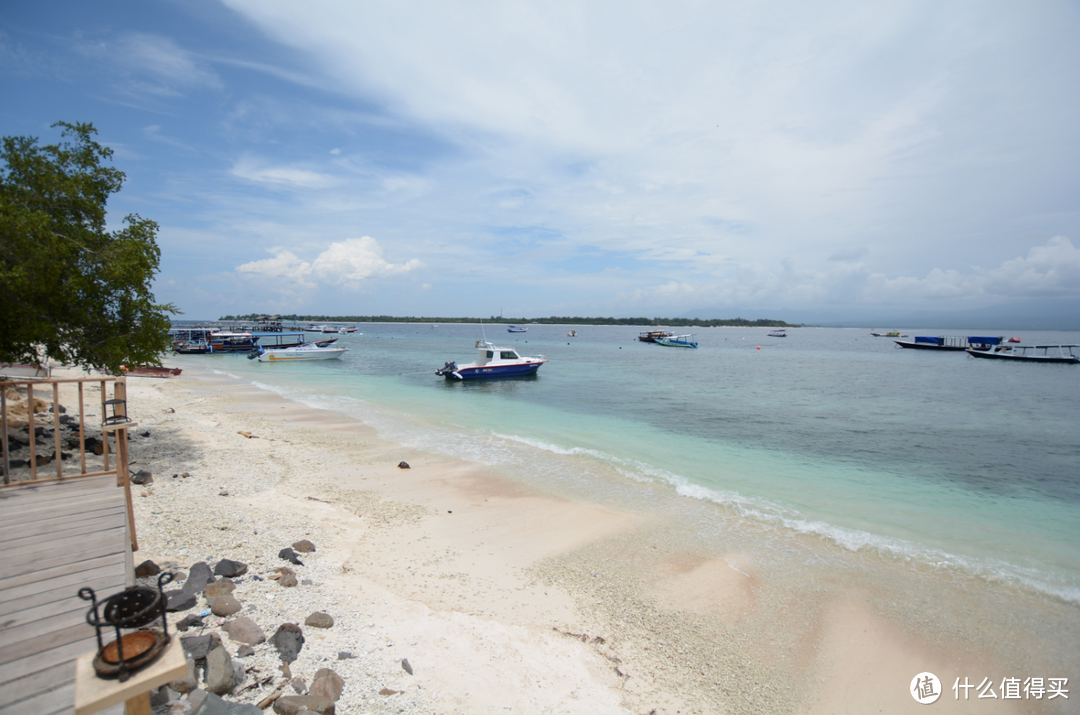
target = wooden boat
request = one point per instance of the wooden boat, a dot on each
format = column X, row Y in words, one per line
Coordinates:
column 650, row 336
column 678, row 341
column 517, row 329
column 778, row 333
column 493, row 362
column 151, row 371
column 1030, row 353
column 950, row 342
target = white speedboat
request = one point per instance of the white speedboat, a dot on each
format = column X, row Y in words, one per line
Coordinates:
column 677, row 341
column 306, row 351
column 493, row 362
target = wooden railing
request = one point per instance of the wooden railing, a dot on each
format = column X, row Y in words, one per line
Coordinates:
column 114, row 422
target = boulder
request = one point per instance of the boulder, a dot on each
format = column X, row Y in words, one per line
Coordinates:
column 199, row 575
column 220, row 675
column 244, row 630
column 225, row 605
column 327, row 684
column 294, row 704
column 179, row 600
column 230, row 569
column 198, row 646
column 319, row 620
column 288, row 640
column 147, row 568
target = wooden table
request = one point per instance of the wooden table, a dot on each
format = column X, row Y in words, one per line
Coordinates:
column 93, row 693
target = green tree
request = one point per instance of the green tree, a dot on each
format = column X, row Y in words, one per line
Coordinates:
column 68, row 287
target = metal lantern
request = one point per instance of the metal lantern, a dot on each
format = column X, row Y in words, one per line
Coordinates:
column 136, row 607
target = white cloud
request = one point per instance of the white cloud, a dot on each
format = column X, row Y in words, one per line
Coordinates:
column 295, row 177
column 344, row 263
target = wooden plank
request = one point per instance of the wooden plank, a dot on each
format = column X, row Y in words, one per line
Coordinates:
column 66, row 653
column 62, row 495
column 74, row 581
column 76, row 540
column 68, row 515
column 36, row 533
column 56, row 487
column 103, row 543
column 69, row 557
column 37, row 511
column 63, row 570
column 105, row 584
column 92, row 693
column 37, row 611
column 43, row 627
column 54, row 702
column 39, row 682
column 45, row 642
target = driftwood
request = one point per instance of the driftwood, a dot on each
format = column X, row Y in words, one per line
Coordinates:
column 269, row 699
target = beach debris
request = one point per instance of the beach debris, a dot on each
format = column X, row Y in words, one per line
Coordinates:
column 229, row 568
column 143, row 476
column 244, row 630
column 405, row 666
column 318, row 619
column 304, row 546
column 289, row 555
column 147, row 568
column 403, row 465
column 288, row 640
column 388, row 691
column 327, row 684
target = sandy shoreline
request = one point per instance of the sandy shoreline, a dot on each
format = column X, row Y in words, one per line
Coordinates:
column 507, row 600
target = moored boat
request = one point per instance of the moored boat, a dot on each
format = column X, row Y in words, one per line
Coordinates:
column 307, row 351
column 517, row 329
column 778, row 333
column 678, row 341
column 492, row 362
column 650, row 336
column 950, row 342
column 1030, row 353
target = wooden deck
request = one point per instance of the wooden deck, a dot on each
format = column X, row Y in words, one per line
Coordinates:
column 55, row 538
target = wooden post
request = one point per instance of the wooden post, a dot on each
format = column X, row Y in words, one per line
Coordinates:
column 3, row 434
column 57, row 456
column 82, row 431
column 30, row 428
column 104, row 437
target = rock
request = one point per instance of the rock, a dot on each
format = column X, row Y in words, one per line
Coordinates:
column 199, row 575
column 327, row 684
column 345, row 655
column 213, row 705
column 290, row 556
column 198, row 646
column 146, row 434
column 223, row 493
column 304, row 546
column 288, row 640
column 18, row 463
column 186, row 683
column 147, row 568
column 244, row 630
column 403, row 465
column 319, row 620
column 142, row 476
column 230, row 569
column 189, row 621
column 299, row 686
column 169, row 410
column 294, row 704
column 225, row 605
column 246, row 651
column 405, row 666
column 179, row 600
column 220, row 676
column 161, row 696
column 217, row 589
column 288, row 581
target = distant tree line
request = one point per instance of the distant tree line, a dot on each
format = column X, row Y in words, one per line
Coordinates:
column 553, row 320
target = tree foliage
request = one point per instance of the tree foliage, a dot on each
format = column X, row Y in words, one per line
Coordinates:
column 69, row 288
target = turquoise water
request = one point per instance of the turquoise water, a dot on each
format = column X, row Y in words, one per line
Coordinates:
column 934, row 457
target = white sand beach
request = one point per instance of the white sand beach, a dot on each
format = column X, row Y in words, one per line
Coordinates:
column 503, row 599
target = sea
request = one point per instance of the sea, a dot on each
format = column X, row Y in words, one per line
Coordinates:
column 936, row 461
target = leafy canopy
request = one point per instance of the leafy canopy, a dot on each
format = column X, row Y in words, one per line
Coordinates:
column 70, row 289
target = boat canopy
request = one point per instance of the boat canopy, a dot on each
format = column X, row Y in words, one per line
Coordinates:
column 931, row 339
column 977, row 340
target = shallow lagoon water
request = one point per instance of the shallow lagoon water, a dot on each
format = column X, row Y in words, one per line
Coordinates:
column 828, row 433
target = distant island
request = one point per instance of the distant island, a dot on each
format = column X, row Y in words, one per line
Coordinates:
column 553, row 320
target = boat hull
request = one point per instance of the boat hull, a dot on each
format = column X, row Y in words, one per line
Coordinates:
column 929, row 346
column 1068, row 359
column 300, row 355
column 480, row 373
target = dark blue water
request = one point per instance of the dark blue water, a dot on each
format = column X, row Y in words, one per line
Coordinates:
column 933, row 456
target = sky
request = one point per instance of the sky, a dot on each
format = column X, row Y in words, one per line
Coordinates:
column 660, row 159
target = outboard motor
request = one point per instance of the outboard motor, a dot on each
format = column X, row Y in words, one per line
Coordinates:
column 448, row 369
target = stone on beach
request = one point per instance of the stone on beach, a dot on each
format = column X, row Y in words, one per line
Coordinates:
column 304, row 546
column 220, row 674
column 319, row 620
column 295, row 704
column 244, row 630
column 225, row 605
column 327, row 684
column 288, row 640
column 147, row 568
column 230, row 568
column 217, row 589
column 289, row 555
